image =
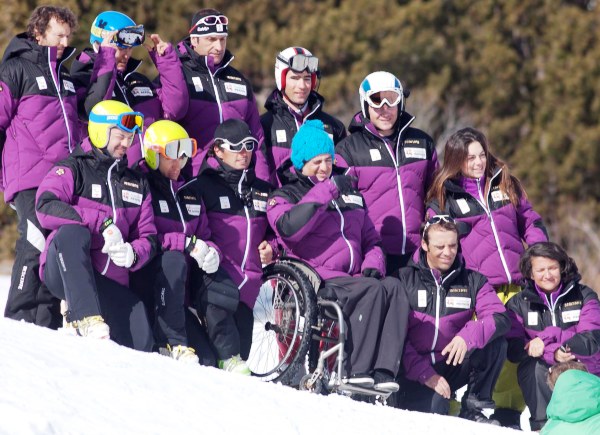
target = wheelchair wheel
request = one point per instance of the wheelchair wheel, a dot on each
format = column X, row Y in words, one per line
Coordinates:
column 284, row 314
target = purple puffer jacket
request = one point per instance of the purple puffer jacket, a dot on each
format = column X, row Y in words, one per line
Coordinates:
column 236, row 202
column 38, row 113
column 87, row 188
column 493, row 235
column 461, row 293
column 571, row 318
column 330, row 231
column 393, row 177
column 218, row 93
column 164, row 98
column 178, row 210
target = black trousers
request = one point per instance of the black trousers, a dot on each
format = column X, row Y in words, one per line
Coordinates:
column 28, row 298
column 393, row 263
column 69, row 275
column 161, row 285
column 376, row 313
column 216, row 298
column 479, row 371
column 532, row 374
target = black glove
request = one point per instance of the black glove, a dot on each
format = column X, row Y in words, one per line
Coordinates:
column 345, row 184
column 370, row 272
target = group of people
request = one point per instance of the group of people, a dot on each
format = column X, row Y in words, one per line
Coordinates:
column 148, row 207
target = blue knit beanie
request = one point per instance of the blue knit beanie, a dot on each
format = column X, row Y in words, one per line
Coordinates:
column 310, row 141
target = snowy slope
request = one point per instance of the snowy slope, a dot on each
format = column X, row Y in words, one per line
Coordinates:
column 52, row 383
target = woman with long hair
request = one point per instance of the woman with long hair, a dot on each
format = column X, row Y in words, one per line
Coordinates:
column 477, row 189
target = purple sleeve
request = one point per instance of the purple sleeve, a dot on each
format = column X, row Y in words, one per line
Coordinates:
column 103, row 79
column 172, row 241
column 143, row 237
column 8, row 106
column 304, row 215
column 54, row 206
column 340, row 162
column 417, row 367
column 173, row 92
column 531, row 228
column 492, row 320
column 517, row 330
column 372, row 253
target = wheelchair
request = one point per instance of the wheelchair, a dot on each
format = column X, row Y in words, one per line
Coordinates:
column 299, row 333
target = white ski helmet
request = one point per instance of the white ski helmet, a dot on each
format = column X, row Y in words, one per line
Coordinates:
column 297, row 59
column 377, row 82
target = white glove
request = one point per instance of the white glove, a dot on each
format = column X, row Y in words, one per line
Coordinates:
column 197, row 249
column 211, row 261
column 112, row 235
column 122, row 254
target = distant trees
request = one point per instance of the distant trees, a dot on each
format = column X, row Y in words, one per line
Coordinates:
column 527, row 72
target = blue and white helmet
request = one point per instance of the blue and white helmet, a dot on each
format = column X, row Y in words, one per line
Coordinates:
column 106, row 22
column 377, row 82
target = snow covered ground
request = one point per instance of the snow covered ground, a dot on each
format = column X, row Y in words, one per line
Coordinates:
column 53, row 383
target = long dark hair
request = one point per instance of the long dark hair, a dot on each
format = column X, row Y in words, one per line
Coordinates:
column 456, row 152
column 568, row 267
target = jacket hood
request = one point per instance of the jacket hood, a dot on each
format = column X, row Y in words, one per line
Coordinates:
column 22, row 46
column 276, row 103
column 576, row 397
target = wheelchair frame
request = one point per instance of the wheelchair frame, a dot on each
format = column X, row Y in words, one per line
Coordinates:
column 292, row 284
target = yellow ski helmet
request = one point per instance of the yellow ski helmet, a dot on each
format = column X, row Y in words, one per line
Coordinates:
column 169, row 140
column 109, row 113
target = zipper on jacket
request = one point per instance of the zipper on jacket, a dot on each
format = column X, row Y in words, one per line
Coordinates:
column 488, row 212
column 398, row 179
column 62, row 105
column 177, row 204
column 212, row 79
column 114, row 208
column 553, row 304
column 344, row 237
column 247, row 249
column 437, row 311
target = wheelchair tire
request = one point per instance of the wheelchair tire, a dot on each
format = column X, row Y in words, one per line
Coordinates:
column 284, row 316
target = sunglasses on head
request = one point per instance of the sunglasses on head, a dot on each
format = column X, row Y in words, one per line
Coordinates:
column 248, row 142
column 301, row 62
column 437, row 219
column 211, row 20
column 176, row 148
column 131, row 36
column 129, row 121
column 378, row 99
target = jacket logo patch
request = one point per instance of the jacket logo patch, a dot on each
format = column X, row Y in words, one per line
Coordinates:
column 132, row 197
column 463, row 205
column 142, row 91
column 130, row 184
column 189, row 198
column 571, row 316
column 422, row 298
column 353, row 199
column 68, row 85
column 259, row 205
column 415, row 153
column 193, row 209
column 234, row 78
column 272, row 202
column 96, row 191
column 60, row 171
column 498, row 196
column 235, row 88
column 375, row 155
column 197, row 84
column 164, row 207
column 281, row 136
column 225, row 204
column 41, row 82
column 458, row 302
column 532, row 318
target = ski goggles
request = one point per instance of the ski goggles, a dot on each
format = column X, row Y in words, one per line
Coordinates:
column 302, row 62
column 248, row 142
column 177, row 148
column 131, row 36
column 211, row 24
column 378, row 99
column 128, row 121
column 437, row 219
column 211, row 20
